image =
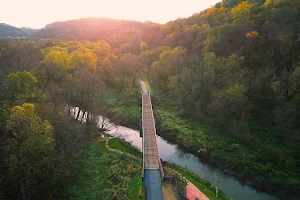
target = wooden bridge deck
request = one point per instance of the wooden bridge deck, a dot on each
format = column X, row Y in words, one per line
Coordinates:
column 152, row 173
column 150, row 150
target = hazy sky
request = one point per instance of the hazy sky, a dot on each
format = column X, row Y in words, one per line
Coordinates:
column 38, row 13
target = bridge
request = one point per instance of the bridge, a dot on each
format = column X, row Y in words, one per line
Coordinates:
column 152, row 173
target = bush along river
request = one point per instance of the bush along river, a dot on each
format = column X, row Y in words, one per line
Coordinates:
column 173, row 153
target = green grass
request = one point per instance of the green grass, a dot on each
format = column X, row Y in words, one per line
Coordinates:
column 105, row 175
column 203, row 185
column 121, row 107
column 110, row 97
column 130, row 114
column 207, row 188
column 136, row 184
column 135, row 188
column 102, row 147
column 252, row 159
column 148, row 87
column 117, row 143
column 108, row 175
column 89, row 183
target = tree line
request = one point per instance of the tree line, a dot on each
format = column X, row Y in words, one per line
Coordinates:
column 40, row 81
column 234, row 66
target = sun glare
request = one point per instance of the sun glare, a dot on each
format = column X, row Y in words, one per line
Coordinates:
column 36, row 13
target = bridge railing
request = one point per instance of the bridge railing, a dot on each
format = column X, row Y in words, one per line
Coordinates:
column 160, row 164
column 143, row 143
column 162, row 174
column 143, row 139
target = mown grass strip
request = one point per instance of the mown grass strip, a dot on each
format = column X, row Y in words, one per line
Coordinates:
column 119, row 144
column 102, row 147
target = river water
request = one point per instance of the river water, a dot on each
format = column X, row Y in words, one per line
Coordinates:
column 173, row 153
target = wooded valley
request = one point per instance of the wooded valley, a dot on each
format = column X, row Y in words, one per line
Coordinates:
column 225, row 85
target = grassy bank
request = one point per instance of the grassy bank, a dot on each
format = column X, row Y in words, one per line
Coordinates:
column 202, row 184
column 117, row 143
column 261, row 160
column 205, row 186
column 105, row 175
column 128, row 115
column 258, row 161
column 136, row 190
column 243, row 159
column 122, row 107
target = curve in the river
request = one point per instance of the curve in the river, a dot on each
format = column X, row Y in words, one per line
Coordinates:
column 172, row 153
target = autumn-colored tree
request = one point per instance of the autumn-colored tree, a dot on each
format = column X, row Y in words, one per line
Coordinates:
column 54, row 67
column 144, row 46
column 102, row 49
column 30, row 143
column 18, row 86
column 83, row 58
column 241, row 13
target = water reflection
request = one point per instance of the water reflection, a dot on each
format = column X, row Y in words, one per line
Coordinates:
column 172, row 153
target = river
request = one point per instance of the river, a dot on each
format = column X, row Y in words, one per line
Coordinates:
column 173, row 153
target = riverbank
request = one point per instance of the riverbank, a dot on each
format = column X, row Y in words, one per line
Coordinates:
column 260, row 160
column 183, row 175
column 228, row 153
column 105, row 174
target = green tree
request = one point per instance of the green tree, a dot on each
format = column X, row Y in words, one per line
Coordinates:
column 170, row 62
column 231, row 108
column 18, row 86
column 30, row 143
column 144, row 46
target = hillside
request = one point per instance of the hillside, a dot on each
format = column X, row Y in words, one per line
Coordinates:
column 8, row 30
column 29, row 31
column 235, row 67
column 225, row 85
column 92, row 29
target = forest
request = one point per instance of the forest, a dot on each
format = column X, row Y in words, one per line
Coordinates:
column 225, row 85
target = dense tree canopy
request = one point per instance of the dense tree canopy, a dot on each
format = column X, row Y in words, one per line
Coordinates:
column 234, row 66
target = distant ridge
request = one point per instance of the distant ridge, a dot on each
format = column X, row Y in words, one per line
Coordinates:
column 7, row 30
column 92, row 29
column 28, row 30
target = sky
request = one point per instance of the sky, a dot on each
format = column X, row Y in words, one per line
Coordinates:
column 38, row 13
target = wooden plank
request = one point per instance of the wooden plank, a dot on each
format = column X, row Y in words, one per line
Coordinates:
column 151, row 158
